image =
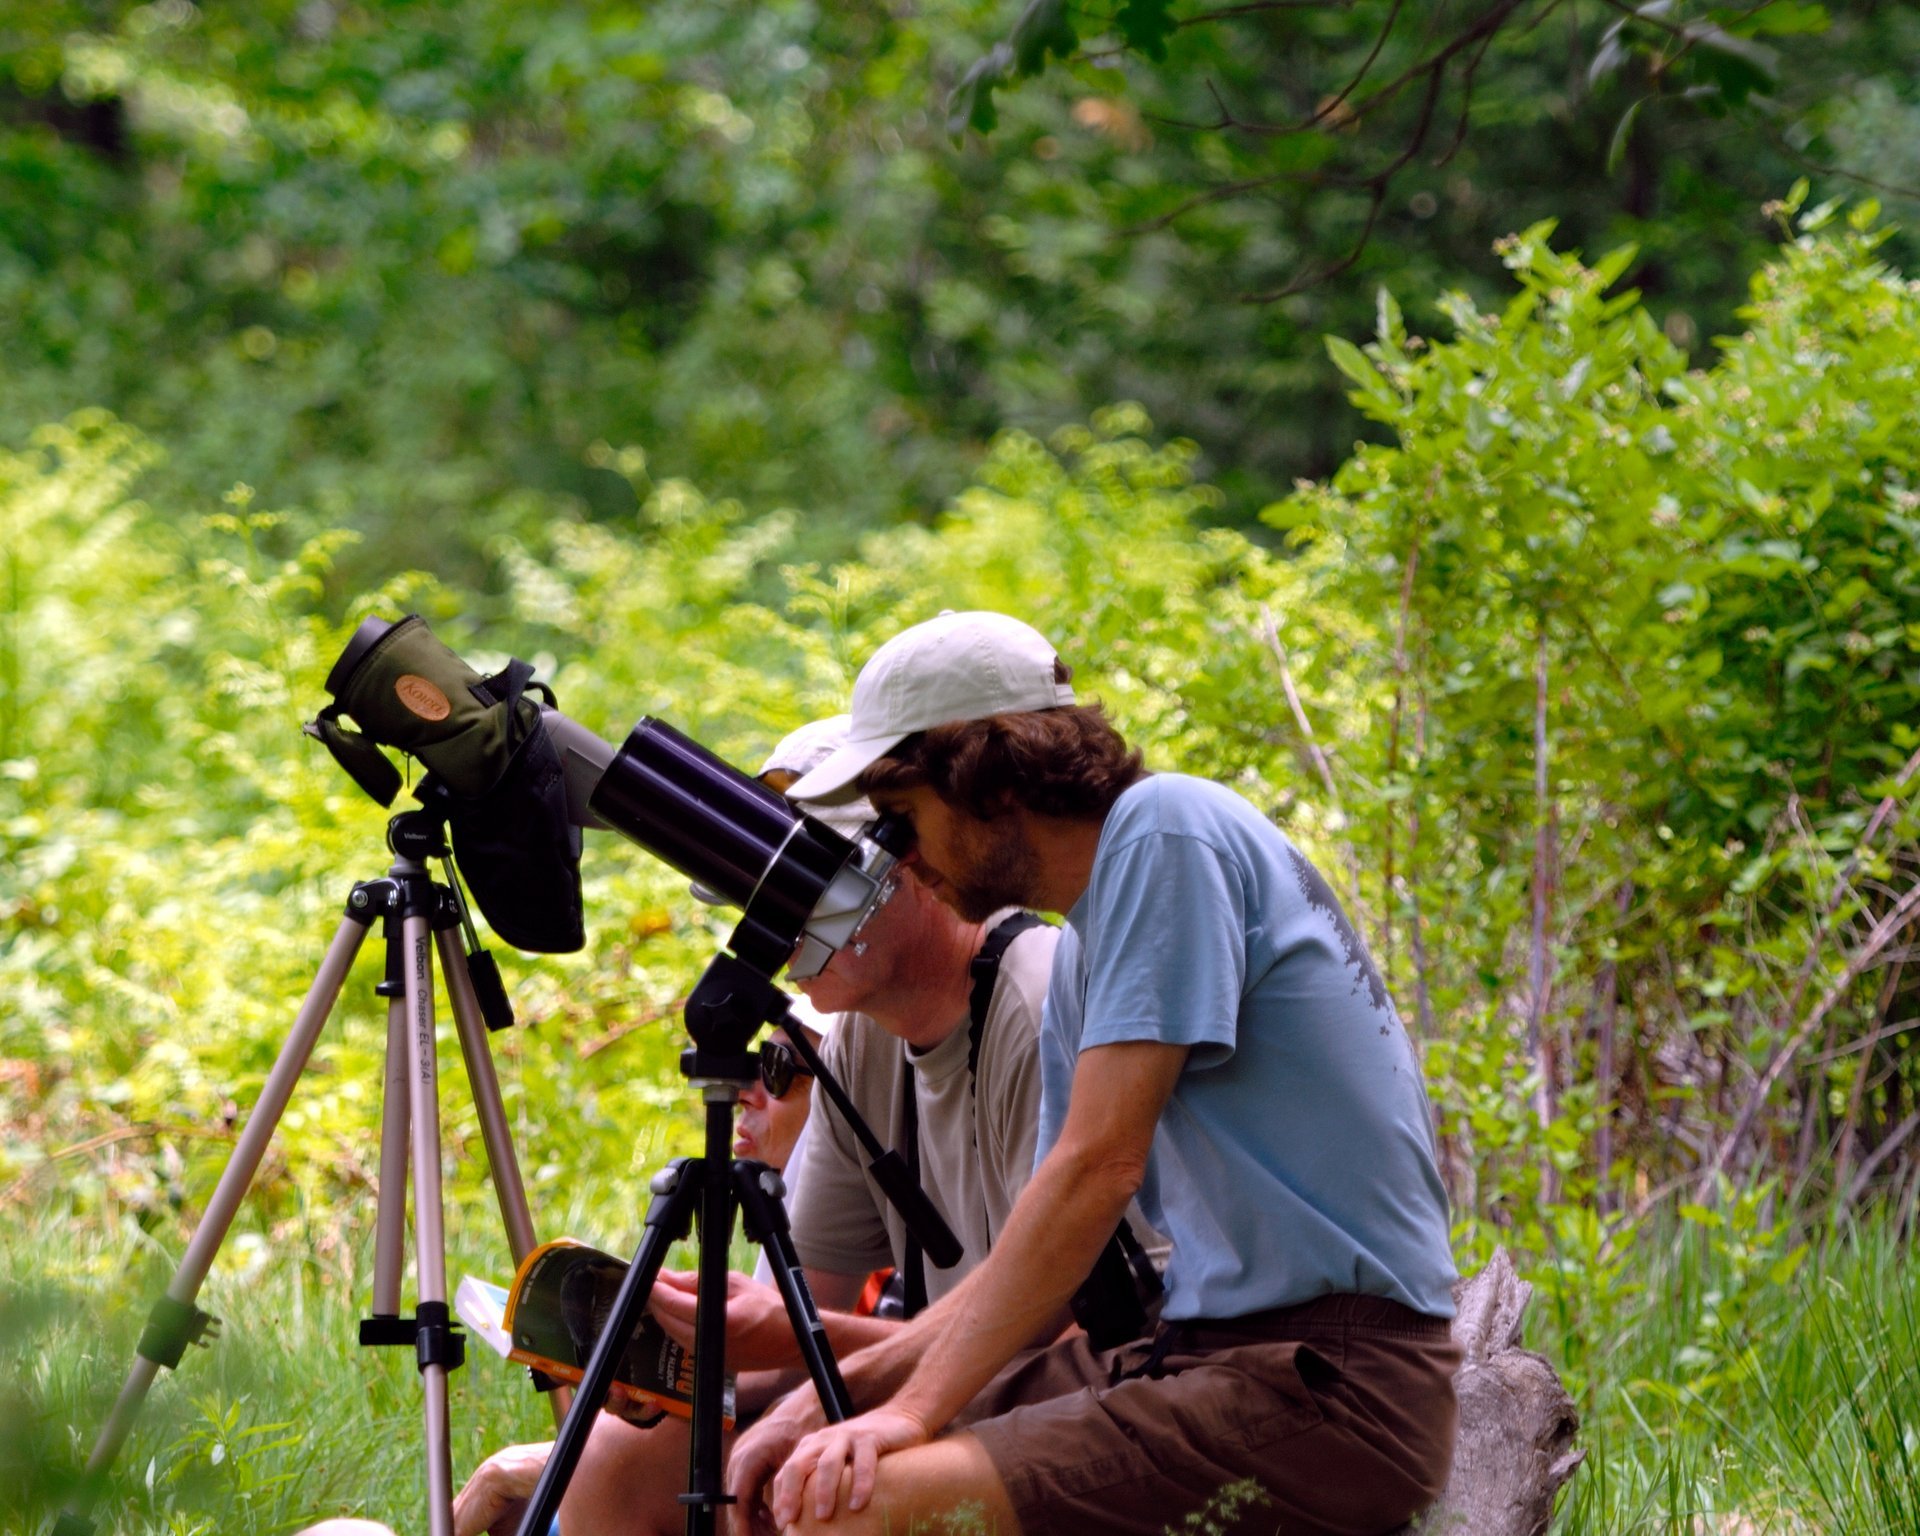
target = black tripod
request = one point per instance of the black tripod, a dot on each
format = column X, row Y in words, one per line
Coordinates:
column 412, row 907
column 725, row 1012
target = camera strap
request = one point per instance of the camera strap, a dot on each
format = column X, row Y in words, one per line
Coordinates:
column 984, row 969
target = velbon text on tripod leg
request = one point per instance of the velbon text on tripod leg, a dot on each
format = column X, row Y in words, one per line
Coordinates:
column 515, row 1214
column 396, row 1117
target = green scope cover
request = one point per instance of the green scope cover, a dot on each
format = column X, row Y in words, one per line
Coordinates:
column 409, row 691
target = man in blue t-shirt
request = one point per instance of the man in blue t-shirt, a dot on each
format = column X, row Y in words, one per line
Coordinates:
column 1217, row 1041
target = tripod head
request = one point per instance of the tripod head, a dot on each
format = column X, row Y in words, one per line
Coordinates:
column 419, row 835
column 729, row 1006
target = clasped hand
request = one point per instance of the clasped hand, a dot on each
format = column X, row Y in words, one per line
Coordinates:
column 759, row 1337
column 793, row 1446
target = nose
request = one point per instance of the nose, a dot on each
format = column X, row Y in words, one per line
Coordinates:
column 754, row 1095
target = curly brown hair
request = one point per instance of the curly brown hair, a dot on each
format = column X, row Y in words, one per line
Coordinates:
column 1053, row 762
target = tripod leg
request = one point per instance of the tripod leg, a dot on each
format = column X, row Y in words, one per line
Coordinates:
column 706, row 1458
column 390, row 1231
column 177, row 1306
column 430, row 1310
column 676, row 1190
column 508, row 1187
column 762, row 1195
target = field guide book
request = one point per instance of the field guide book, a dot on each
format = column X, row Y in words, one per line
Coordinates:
column 554, row 1312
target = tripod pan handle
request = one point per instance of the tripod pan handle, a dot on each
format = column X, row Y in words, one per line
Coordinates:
column 923, row 1218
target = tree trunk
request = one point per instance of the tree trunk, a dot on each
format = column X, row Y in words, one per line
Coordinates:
column 1515, row 1445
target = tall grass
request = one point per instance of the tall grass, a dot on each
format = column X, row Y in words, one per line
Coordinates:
column 282, row 1420
column 1727, row 1388
column 1745, row 1392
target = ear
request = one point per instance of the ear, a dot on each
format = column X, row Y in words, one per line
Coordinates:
column 1006, row 805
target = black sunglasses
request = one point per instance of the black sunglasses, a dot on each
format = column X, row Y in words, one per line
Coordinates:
column 779, row 1066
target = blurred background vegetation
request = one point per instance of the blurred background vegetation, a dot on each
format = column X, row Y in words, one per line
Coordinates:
column 1567, row 608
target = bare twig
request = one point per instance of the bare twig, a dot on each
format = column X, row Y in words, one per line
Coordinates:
column 619, row 1031
column 1882, row 934
column 1538, row 977
column 1874, row 1036
column 1432, row 66
column 1423, row 997
column 1336, row 103
column 141, row 1132
column 1466, row 92
column 1332, row 269
column 1408, row 567
column 1220, row 194
column 1329, row 108
column 1316, row 758
column 1836, row 897
column 1604, row 1071
column 1881, row 1153
column 1856, row 1097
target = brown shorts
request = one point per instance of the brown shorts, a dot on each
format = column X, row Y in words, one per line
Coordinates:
column 1340, row 1409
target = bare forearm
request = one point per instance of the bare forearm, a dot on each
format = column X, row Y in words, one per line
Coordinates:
column 755, row 1391
column 849, row 1334
column 877, row 1369
column 1065, row 1216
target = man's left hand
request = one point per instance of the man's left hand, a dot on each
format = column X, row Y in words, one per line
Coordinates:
column 759, row 1337
column 858, row 1444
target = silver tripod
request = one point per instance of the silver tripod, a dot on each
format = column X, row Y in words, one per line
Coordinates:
column 412, row 907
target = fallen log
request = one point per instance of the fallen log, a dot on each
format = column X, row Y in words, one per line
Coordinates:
column 1515, row 1445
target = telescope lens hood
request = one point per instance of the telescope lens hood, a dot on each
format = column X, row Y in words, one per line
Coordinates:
column 370, row 633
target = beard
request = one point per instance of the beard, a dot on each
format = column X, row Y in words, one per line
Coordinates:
column 1001, row 871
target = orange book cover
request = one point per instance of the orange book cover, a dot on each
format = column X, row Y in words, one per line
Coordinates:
column 554, row 1314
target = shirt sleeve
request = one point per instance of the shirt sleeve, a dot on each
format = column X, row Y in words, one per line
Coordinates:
column 1166, row 952
column 837, row 1226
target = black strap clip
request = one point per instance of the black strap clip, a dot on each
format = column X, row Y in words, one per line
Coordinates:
column 431, row 1332
column 437, row 1338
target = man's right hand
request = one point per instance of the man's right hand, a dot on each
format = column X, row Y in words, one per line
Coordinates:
column 762, row 1451
column 504, row 1478
column 759, row 1337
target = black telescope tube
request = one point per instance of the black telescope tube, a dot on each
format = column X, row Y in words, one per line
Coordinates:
column 710, row 821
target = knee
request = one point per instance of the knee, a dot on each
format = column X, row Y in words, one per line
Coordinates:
column 941, row 1506
column 617, row 1484
column 843, row 1521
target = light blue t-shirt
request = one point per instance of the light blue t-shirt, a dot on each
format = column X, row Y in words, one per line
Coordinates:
column 1295, row 1157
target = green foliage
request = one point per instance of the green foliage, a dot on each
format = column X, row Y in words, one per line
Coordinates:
column 1715, row 570
column 428, row 271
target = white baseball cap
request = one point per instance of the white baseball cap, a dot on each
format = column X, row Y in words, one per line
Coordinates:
column 959, row 666
column 802, row 751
